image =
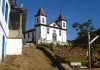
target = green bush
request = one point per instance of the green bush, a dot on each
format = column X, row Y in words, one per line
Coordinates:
column 65, row 58
column 84, row 63
column 65, row 46
column 50, row 46
column 58, row 44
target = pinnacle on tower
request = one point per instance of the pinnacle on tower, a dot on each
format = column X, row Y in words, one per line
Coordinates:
column 40, row 12
column 61, row 17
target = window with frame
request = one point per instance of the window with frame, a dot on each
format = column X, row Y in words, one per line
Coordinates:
column 6, row 14
column 63, row 24
column 60, row 32
column 42, row 20
column 47, row 30
column 3, row 6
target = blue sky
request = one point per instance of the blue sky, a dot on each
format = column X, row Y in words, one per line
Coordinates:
column 73, row 11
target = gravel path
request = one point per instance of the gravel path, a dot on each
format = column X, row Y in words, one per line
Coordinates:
column 32, row 59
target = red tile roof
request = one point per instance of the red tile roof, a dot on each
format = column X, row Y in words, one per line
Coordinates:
column 40, row 12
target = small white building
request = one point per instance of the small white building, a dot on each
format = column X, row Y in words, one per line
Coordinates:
column 4, row 26
column 52, row 32
column 17, row 26
column 12, row 24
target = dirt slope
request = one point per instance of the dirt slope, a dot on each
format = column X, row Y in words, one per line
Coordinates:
column 32, row 59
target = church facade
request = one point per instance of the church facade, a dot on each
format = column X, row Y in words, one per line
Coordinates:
column 47, row 32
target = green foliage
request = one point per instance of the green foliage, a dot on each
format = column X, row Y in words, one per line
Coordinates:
column 58, row 44
column 65, row 58
column 53, row 47
column 50, row 46
column 82, row 29
column 65, row 46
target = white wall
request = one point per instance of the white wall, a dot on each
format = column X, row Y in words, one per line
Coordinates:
column 61, row 24
column 4, row 26
column 1, row 39
column 38, row 33
column 49, row 36
column 40, row 19
column 64, row 36
column 2, row 17
column 43, row 32
column 28, row 38
column 14, row 47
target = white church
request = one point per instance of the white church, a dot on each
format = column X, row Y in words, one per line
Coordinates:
column 46, row 32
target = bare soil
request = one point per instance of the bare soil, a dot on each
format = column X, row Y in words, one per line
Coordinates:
column 31, row 59
column 71, row 52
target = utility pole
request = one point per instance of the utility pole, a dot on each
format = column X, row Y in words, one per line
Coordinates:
column 89, row 51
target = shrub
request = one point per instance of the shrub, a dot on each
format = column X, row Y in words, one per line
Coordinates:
column 65, row 58
column 50, row 46
column 58, row 44
column 65, row 46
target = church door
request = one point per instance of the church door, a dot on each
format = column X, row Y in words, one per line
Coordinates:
column 54, row 38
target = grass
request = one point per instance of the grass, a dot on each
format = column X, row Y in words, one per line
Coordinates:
column 84, row 61
column 78, row 60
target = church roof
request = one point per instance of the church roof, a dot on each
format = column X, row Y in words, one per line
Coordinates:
column 29, row 30
column 61, row 17
column 53, row 22
column 40, row 12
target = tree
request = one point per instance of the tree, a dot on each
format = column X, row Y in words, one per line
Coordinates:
column 82, row 29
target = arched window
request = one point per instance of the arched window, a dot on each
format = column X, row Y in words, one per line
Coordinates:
column 60, row 32
column 6, row 14
column 47, row 30
column 3, row 6
column 42, row 20
column 63, row 24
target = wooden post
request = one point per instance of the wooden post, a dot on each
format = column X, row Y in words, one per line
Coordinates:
column 89, row 51
column 21, row 19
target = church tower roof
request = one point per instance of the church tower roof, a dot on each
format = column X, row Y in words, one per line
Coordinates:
column 61, row 17
column 40, row 12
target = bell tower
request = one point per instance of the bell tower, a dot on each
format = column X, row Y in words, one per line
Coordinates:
column 40, row 17
column 40, row 27
column 61, row 21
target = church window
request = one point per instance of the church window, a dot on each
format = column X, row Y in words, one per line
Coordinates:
column 3, row 6
column 37, row 20
column 60, row 32
column 42, row 20
column 6, row 14
column 63, row 24
column 47, row 30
